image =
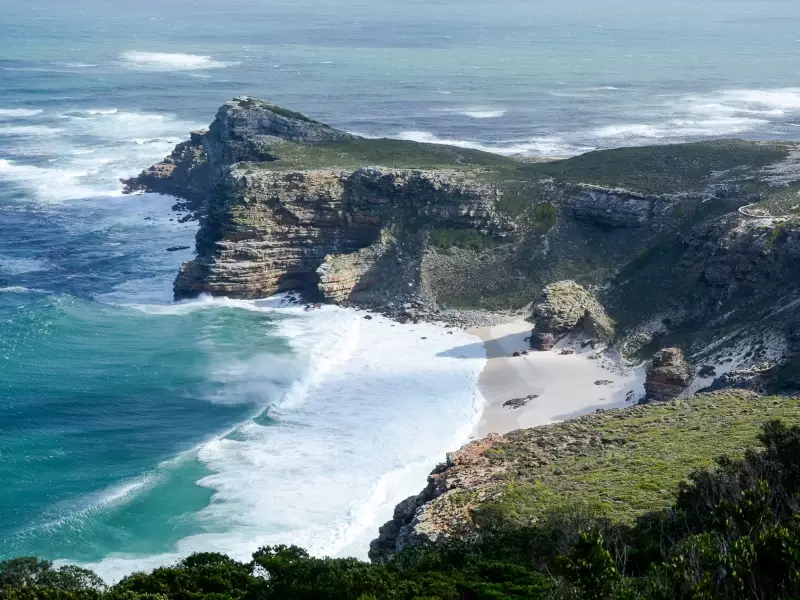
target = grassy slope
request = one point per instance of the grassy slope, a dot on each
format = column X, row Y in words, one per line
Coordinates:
column 363, row 152
column 644, row 453
column 648, row 169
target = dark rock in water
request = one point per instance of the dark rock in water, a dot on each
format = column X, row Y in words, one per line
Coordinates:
column 668, row 375
column 516, row 353
column 566, row 352
column 519, row 402
column 368, row 317
column 603, row 382
column 542, row 341
column 176, row 248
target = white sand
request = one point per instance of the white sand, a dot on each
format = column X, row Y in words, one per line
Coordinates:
column 565, row 384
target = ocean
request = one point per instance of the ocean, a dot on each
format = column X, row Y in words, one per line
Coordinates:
column 134, row 430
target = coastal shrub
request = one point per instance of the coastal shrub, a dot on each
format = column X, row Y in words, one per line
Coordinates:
column 466, row 239
column 732, row 533
column 544, row 216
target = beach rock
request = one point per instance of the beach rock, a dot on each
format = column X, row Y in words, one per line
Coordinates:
column 542, row 341
column 566, row 307
column 519, row 402
column 707, row 371
column 667, row 376
column 758, row 378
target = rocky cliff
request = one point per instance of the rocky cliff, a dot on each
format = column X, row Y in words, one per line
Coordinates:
column 689, row 246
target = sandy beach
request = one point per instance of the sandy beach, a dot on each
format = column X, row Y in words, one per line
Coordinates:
column 566, row 385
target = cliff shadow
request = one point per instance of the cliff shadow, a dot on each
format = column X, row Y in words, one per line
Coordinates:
column 501, row 347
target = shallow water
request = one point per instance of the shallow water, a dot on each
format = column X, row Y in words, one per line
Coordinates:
column 133, row 430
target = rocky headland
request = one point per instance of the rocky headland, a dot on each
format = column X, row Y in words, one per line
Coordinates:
column 684, row 256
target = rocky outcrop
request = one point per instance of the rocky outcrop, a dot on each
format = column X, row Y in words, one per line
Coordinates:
column 566, row 307
column 614, row 208
column 320, row 230
column 668, row 375
column 183, row 174
column 246, row 128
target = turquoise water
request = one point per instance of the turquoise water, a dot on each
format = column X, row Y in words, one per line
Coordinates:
column 133, row 430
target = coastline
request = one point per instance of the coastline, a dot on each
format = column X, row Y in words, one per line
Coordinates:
column 565, row 385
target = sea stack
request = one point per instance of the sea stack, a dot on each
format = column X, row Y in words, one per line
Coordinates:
column 668, row 375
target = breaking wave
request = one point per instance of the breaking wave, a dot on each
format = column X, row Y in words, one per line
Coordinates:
column 171, row 61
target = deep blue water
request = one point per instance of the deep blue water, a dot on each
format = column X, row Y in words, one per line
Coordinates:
column 133, row 430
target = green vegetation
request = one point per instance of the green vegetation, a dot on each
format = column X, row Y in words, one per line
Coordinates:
column 362, row 152
column 664, row 169
column 467, row 239
column 776, row 201
column 291, row 114
column 544, row 216
column 732, row 533
column 630, row 462
column 777, row 235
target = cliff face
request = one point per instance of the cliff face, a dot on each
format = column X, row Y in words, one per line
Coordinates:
column 679, row 244
column 691, row 246
column 291, row 203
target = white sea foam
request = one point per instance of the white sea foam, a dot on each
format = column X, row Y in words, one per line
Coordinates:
column 79, row 65
column 17, row 266
column 714, row 114
column 376, row 408
column 539, row 146
column 483, row 113
column 19, row 289
column 28, row 130
column 89, row 151
column 49, row 184
column 19, row 113
column 170, row 61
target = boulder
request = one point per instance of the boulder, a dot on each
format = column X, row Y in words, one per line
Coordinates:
column 566, row 307
column 542, row 341
column 668, row 375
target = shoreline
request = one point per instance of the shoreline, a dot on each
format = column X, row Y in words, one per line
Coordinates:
column 565, row 385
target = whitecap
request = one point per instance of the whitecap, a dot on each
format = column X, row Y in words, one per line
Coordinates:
column 15, row 113
column 79, row 65
column 92, row 150
column 537, row 146
column 170, row 61
column 29, row 130
column 18, row 266
column 482, row 113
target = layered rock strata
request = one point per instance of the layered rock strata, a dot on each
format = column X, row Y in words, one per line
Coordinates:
column 566, row 307
column 668, row 375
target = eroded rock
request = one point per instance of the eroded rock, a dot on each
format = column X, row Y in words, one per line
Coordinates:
column 566, row 307
column 668, row 375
